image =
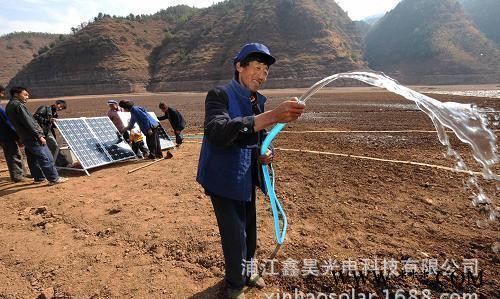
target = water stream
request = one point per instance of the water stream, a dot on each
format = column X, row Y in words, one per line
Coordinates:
column 468, row 122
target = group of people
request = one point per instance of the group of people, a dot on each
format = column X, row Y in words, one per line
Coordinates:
column 19, row 128
column 228, row 169
column 36, row 133
column 148, row 126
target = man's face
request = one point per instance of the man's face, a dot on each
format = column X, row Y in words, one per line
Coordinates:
column 113, row 107
column 23, row 96
column 164, row 108
column 60, row 107
column 253, row 75
column 2, row 94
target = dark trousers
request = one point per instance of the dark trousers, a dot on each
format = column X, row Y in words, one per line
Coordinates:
column 14, row 159
column 178, row 137
column 153, row 141
column 140, row 149
column 237, row 223
column 126, row 136
column 40, row 161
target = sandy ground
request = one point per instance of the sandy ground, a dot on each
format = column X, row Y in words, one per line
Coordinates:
column 152, row 234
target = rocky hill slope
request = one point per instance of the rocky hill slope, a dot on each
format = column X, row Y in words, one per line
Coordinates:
column 18, row 49
column 109, row 55
column 428, row 37
column 311, row 39
column 485, row 14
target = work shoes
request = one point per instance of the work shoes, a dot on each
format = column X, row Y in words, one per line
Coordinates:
column 256, row 281
column 60, row 180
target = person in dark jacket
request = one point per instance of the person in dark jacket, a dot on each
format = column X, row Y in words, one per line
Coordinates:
column 39, row 158
column 9, row 143
column 45, row 116
column 176, row 121
column 228, row 166
column 148, row 125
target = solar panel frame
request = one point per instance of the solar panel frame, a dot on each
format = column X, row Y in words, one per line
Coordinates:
column 77, row 134
column 85, row 143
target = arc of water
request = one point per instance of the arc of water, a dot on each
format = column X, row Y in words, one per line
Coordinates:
column 466, row 121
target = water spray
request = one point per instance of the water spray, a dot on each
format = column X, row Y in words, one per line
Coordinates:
column 469, row 123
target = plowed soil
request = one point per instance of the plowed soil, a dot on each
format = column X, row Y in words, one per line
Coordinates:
column 152, row 233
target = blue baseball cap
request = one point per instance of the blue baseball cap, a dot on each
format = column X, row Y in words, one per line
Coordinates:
column 254, row 48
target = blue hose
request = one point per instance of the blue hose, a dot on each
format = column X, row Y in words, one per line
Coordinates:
column 278, row 212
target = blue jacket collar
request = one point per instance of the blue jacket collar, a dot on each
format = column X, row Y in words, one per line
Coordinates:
column 241, row 90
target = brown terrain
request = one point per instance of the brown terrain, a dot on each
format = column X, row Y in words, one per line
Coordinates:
column 429, row 41
column 17, row 50
column 108, row 55
column 152, row 234
column 312, row 38
column 193, row 49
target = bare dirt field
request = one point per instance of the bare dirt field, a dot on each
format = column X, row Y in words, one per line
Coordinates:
column 152, row 234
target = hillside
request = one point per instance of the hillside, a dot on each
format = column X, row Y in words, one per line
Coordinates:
column 372, row 20
column 363, row 28
column 422, row 37
column 108, row 55
column 320, row 41
column 485, row 14
column 17, row 49
column 195, row 50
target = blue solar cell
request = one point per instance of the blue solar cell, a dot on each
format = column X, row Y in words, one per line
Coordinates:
column 94, row 141
column 110, row 138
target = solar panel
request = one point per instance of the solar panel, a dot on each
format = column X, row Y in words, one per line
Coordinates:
column 110, row 138
column 94, row 141
column 165, row 141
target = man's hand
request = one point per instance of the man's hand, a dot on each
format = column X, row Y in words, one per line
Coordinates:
column 42, row 140
column 267, row 158
column 288, row 111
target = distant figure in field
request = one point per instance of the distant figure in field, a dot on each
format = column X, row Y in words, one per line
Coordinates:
column 148, row 125
column 9, row 143
column 176, row 121
column 39, row 158
column 45, row 116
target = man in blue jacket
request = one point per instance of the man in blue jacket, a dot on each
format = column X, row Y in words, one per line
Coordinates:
column 8, row 141
column 148, row 125
column 228, row 167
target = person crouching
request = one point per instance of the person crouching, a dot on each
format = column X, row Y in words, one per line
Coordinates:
column 148, row 125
